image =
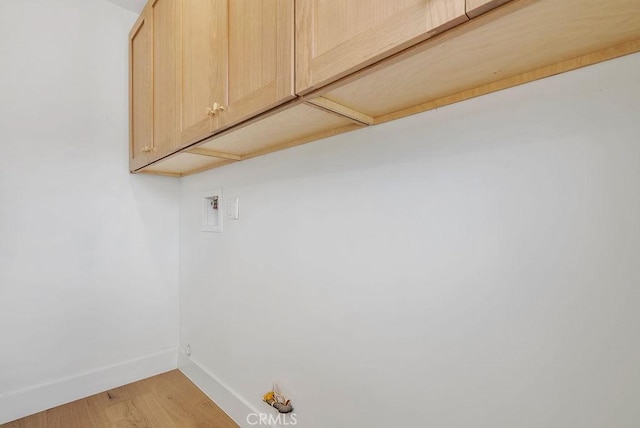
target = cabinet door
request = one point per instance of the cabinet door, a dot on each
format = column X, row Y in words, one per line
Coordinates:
column 140, row 91
column 335, row 38
column 165, row 115
column 202, row 66
column 478, row 7
column 260, row 58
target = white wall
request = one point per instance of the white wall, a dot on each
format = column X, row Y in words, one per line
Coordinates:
column 474, row 266
column 88, row 252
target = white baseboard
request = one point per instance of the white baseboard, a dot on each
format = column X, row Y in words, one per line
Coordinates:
column 15, row 405
column 230, row 402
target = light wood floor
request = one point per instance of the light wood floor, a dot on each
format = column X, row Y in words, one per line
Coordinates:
column 168, row 400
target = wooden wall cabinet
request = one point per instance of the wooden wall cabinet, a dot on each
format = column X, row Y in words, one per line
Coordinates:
column 260, row 58
column 513, row 44
column 202, row 66
column 236, row 61
column 153, row 83
column 140, row 91
column 212, row 81
column 336, row 38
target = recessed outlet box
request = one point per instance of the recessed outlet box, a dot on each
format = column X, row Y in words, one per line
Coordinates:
column 212, row 211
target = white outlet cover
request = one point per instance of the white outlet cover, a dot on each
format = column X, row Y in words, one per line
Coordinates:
column 232, row 209
column 212, row 206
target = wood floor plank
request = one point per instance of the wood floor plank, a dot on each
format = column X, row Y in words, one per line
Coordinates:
column 181, row 401
column 168, row 400
column 38, row 420
column 69, row 415
column 143, row 411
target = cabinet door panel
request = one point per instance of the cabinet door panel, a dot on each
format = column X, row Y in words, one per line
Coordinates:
column 202, row 65
column 260, row 57
column 164, row 77
column 140, row 91
column 335, row 38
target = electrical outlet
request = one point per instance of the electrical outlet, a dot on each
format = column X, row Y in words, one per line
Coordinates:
column 232, row 209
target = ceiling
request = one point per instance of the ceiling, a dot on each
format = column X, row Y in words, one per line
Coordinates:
column 132, row 5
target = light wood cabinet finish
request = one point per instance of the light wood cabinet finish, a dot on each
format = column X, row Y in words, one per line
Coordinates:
column 502, row 46
column 260, row 58
column 478, row 7
column 335, row 38
column 165, row 83
column 202, row 65
column 180, row 163
column 153, row 84
column 140, row 91
column 518, row 42
column 236, row 61
column 291, row 125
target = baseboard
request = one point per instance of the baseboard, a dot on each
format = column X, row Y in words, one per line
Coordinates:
column 18, row 404
column 230, row 402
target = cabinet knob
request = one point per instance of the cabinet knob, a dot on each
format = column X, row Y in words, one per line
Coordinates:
column 215, row 109
column 146, row 149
